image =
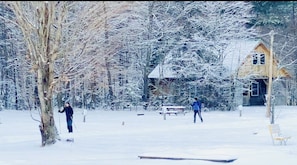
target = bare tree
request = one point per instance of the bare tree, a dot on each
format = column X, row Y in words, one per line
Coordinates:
column 55, row 32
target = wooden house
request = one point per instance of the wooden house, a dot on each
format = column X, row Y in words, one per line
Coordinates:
column 248, row 62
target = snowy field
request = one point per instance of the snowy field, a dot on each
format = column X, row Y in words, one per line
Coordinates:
column 119, row 137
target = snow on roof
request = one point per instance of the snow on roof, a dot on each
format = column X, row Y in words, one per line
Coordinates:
column 164, row 70
column 236, row 53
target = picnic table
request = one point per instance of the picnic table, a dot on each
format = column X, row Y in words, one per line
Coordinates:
column 172, row 109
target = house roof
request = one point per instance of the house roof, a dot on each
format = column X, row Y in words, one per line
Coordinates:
column 236, row 52
column 234, row 55
column 162, row 71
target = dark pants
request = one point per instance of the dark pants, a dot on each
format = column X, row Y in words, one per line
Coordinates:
column 69, row 125
column 199, row 114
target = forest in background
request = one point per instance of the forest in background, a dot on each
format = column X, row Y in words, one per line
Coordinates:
column 108, row 66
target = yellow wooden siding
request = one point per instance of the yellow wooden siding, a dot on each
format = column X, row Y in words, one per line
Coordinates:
column 247, row 68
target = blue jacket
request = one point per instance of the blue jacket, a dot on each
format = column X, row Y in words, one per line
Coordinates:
column 196, row 105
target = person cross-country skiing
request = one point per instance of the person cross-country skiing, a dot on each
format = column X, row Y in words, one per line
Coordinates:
column 69, row 116
column 196, row 105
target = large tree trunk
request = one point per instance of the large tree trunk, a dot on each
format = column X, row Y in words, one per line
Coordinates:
column 45, row 89
column 45, row 75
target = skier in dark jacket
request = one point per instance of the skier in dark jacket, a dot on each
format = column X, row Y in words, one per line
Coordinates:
column 197, row 109
column 69, row 116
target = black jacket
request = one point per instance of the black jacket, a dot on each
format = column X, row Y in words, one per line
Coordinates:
column 69, row 112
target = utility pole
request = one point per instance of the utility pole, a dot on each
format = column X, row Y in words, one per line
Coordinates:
column 268, row 105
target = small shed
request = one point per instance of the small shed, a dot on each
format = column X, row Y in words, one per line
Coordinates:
column 162, row 77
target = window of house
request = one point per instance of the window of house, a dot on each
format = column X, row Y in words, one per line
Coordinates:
column 255, row 59
column 258, row 59
column 255, row 89
column 262, row 58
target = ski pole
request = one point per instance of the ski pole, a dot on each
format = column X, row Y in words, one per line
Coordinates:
column 74, row 124
column 59, row 124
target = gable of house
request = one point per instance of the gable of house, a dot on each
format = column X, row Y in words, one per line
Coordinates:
column 250, row 60
column 245, row 59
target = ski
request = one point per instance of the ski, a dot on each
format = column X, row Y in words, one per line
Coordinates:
column 179, row 158
column 66, row 140
column 70, row 140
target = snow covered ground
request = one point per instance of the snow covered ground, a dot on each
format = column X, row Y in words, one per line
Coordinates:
column 119, row 137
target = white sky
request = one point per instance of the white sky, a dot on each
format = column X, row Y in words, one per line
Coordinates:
column 103, row 140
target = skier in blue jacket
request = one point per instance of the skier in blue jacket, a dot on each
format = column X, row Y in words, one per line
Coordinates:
column 197, row 109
